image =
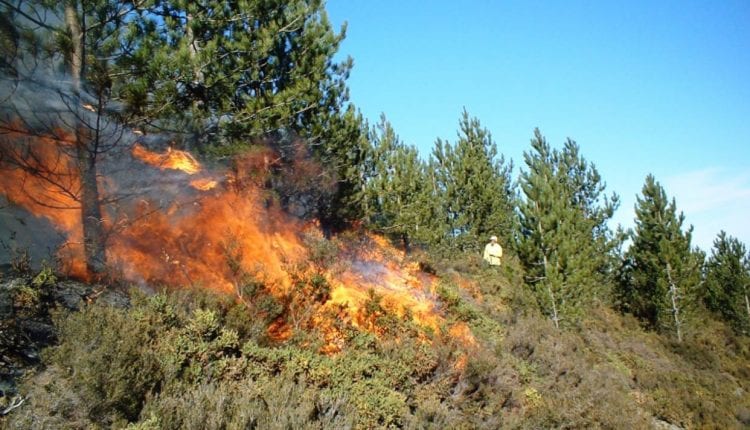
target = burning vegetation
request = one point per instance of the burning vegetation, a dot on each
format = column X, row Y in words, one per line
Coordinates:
column 169, row 221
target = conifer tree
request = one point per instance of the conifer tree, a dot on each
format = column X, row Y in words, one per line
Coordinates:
column 474, row 186
column 222, row 74
column 396, row 191
column 563, row 241
column 231, row 74
column 727, row 291
column 433, row 209
column 347, row 157
column 239, row 69
column 661, row 271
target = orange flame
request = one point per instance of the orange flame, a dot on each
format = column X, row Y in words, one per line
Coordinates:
column 221, row 238
column 51, row 194
column 194, row 244
column 462, row 333
column 204, row 184
column 171, row 159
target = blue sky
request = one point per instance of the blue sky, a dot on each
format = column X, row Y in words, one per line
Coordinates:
column 643, row 87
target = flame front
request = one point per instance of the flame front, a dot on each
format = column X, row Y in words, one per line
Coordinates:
column 195, row 244
column 223, row 234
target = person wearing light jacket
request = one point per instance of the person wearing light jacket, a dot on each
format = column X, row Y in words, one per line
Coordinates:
column 493, row 252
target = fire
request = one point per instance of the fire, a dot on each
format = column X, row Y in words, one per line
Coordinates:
column 228, row 234
column 175, row 160
column 204, row 184
column 171, row 159
column 462, row 333
column 52, row 194
column 196, row 244
column 402, row 291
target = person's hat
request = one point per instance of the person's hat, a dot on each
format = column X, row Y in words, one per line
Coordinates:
column 493, row 238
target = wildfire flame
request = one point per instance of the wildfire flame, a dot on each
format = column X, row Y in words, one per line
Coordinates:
column 175, row 160
column 225, row 234
column 52, row 194
column 204, row 184
column 171, row 159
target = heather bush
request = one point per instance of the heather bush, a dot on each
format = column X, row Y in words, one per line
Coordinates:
column 52, row 402
column 568, row 385
column 267, row 403
column 107, row 354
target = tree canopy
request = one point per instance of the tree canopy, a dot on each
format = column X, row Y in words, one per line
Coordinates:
column 661, row 270
column 564, row 240
column 728, row 282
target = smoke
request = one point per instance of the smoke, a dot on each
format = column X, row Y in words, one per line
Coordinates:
column 21, row 233
column 47, row 127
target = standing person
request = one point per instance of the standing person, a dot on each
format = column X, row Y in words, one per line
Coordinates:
column 493, row 252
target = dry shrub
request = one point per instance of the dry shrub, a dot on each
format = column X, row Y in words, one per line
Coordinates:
column 694, row 384
column 194, row 360
column 278, row 403
column 106, row 352
column 573, row 387
column 52, row 402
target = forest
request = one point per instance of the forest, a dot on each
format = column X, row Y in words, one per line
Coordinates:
column 199, row 229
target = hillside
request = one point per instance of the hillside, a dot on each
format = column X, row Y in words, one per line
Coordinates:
column 200, row 230
column 191, row 358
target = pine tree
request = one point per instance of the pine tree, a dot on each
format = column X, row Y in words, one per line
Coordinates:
column 474, row 186
column 433, row 214
column 224, row 75
column 661, row 271
column 229, row 75
column 347, row 157
column 727, row 291
column 563, row 241
column 239, row 69
column 397, row 189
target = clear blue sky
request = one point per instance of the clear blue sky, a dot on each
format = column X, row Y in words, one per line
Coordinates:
column 642, row 86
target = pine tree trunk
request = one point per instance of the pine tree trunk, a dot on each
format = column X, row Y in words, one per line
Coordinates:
column 675, row 307
column 193, row 50
column 91, row 214
column 86, row 153
column 77, row 39
column 555, row 317
column 365, row 199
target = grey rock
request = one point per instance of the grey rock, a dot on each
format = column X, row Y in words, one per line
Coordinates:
column 6, row 302
column 38, row 331
column 660, row 424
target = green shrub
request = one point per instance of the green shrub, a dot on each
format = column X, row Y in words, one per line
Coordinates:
column 108, row 357
column 26, row 300
column 45, row 277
